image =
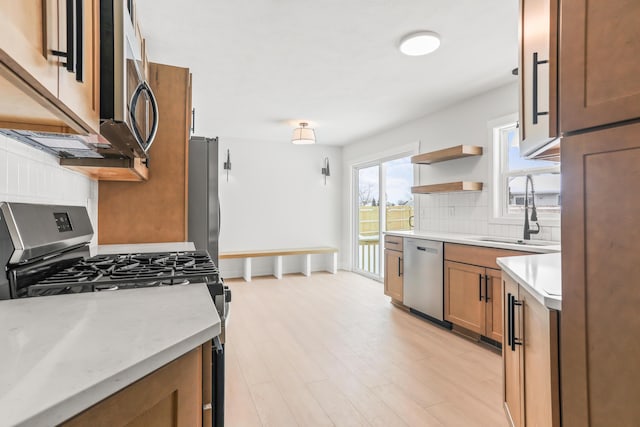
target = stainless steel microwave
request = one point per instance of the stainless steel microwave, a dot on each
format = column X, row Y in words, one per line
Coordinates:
column 128, row 108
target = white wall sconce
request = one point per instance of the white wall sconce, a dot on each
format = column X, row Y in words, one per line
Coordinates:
column 227, row 164
column 325, row 170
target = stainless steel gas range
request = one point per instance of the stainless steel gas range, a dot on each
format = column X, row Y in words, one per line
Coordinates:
column 45, row 251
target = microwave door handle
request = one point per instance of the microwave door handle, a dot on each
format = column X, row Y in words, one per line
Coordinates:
column 144, row 87
column 154, row 125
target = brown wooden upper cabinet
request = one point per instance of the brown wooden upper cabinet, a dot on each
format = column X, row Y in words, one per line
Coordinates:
column 599, row 69
column 155, row 210
column 80, row 90
column 538, row 77
column 42, row 88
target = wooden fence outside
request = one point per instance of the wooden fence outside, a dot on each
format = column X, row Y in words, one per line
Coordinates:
column 398, row 218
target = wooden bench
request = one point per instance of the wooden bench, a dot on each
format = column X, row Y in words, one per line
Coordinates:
column 277, row 262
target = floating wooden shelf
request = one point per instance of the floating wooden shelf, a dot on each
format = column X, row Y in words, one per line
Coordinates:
column 447, row 187
column 450, row 153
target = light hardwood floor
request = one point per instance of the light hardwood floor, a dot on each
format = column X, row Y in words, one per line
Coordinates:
column 331, row 350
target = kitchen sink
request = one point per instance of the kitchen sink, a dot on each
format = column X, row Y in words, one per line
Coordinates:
column 517, row 241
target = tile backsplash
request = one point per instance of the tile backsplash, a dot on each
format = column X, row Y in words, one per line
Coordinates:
column 30, row 175
column 469, row 213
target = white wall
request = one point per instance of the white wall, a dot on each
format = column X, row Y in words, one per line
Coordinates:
column 33, row 176
column 463, row 123
column 276, row 199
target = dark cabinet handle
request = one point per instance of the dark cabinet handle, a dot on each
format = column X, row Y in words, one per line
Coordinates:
column 399, row 266
column 534, row 95
column 514, row 340
column 480, row 286
column 79, row 64
column 511, row 322
column 509, row 315
column 70, row 33
column 75, row 39
column 144, row 87
column 486, row 288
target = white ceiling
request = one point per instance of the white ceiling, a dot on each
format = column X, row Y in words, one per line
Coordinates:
column 261, row 65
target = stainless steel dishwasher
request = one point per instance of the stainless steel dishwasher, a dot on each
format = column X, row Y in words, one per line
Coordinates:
column 423, row 284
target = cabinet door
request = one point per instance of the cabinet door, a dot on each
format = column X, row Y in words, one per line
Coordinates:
column 464, row 296
column 493, row 298
column 600, row 271
column 538, row 71
column 28, row 34
column 156, row 210
column 511, row 357
column 540, row 341
column 599, row 67
column 170, row 396
column 393, row 282
column 82, row 96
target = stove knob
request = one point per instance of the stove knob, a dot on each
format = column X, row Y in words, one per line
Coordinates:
column 227, row 294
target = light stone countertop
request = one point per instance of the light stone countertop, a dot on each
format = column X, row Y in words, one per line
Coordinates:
column 62, row 354
column 467, row 239
column 541, row 275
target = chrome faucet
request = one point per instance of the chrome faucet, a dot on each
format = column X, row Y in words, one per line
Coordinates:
column 534, row 216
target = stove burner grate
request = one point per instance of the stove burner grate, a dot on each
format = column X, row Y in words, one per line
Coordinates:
column 128, row 271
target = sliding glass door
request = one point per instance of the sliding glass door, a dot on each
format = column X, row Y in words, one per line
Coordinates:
column 383, row 202
column 368, row 219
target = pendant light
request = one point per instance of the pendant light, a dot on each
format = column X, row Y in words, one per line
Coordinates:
column 303, row 135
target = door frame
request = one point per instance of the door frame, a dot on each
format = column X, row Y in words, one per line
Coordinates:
column 380, row 160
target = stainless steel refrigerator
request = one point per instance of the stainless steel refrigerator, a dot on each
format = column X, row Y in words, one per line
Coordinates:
column 204, row 203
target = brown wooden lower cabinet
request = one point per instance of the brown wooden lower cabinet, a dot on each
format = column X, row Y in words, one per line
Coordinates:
column 171, row 396
column 463, row 296
column 530, row 359
column 393, row 268
column 473, row 298
column 493, row 307
column 473, row 288
column 513, row 394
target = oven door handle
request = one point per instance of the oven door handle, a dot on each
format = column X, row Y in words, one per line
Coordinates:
column 144, row 87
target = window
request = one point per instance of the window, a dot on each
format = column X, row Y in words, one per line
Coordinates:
column 510, row 178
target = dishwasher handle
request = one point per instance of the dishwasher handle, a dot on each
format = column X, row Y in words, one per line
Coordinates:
column 429, row 250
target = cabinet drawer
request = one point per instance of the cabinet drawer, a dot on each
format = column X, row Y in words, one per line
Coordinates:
column 393, row 242
column 477, row 255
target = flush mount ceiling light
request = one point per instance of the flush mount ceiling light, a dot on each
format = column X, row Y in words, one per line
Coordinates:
column 420, row 43
column 303, row 135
